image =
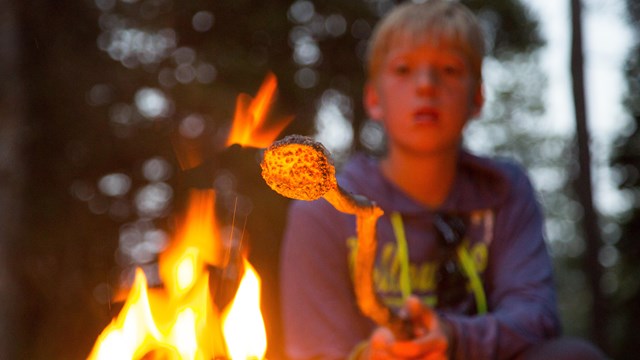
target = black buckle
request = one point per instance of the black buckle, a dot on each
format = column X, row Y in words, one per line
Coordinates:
column 451, row 280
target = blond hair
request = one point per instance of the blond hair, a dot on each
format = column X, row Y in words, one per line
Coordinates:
column 435, row 22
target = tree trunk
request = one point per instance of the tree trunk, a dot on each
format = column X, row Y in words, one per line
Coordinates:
column 583, row 182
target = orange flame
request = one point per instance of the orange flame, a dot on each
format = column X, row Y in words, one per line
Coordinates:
column 242, row 322
column 196, row 245
column 181, row 321
column 134, row 332
column 249, row 126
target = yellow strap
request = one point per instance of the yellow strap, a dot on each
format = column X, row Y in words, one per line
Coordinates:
column 469, row 267
column 402, row 254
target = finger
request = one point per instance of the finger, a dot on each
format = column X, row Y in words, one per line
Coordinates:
column 381, row 339
column 406, row 350
column 379, row 345
column 433, row 342
column 380, row 355
column 420, row 314
column 435, row 356
column 420, row 347
column 414, row 306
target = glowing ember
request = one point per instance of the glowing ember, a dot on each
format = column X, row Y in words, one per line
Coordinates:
column 249, row 126
column 181, row 321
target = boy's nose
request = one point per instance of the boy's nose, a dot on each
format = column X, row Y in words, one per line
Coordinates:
column 426, row 80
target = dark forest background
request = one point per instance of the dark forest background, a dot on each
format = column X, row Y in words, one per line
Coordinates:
column 97, row 97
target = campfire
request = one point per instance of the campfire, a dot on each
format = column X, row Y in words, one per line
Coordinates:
column 180, row 320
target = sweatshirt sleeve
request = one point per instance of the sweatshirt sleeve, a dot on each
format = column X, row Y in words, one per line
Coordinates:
column 320, row 317
column 518, row 281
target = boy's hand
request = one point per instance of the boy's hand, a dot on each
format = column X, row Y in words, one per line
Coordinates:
column 431, row 339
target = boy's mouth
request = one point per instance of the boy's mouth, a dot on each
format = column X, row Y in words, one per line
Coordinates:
column 426, row 114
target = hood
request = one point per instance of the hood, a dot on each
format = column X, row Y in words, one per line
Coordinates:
column 480, row 183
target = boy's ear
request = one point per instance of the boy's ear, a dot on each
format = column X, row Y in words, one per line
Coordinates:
column 478, row 100
column 371, row 101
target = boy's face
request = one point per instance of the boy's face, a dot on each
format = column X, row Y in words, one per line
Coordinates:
column 424, row 95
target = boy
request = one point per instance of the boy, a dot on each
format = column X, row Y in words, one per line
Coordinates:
column 460, row 246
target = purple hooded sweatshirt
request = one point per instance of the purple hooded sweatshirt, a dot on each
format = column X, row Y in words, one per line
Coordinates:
column 504, row 238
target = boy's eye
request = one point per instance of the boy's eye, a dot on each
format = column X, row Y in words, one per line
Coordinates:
column 452, row 69
column 401, row 69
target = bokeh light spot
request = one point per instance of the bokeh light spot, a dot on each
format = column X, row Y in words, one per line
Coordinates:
column 192, row 126
column 333, row 127
column 206, row 73
column 152, row 103
column 360, row 29
column 335, row 24
column 202, row 21
column 184, row 55
column 301, row 11
column 306, row 78
column 153, row 200
column 105, row 5
column 306, row 51
column 372, row 136
column 608, row 256
column 115, row 184
column 82, row 190
column 185, row 73
column 100, row 94
column 156, row 169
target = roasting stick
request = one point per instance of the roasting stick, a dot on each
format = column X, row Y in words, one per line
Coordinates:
column 301, row 168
